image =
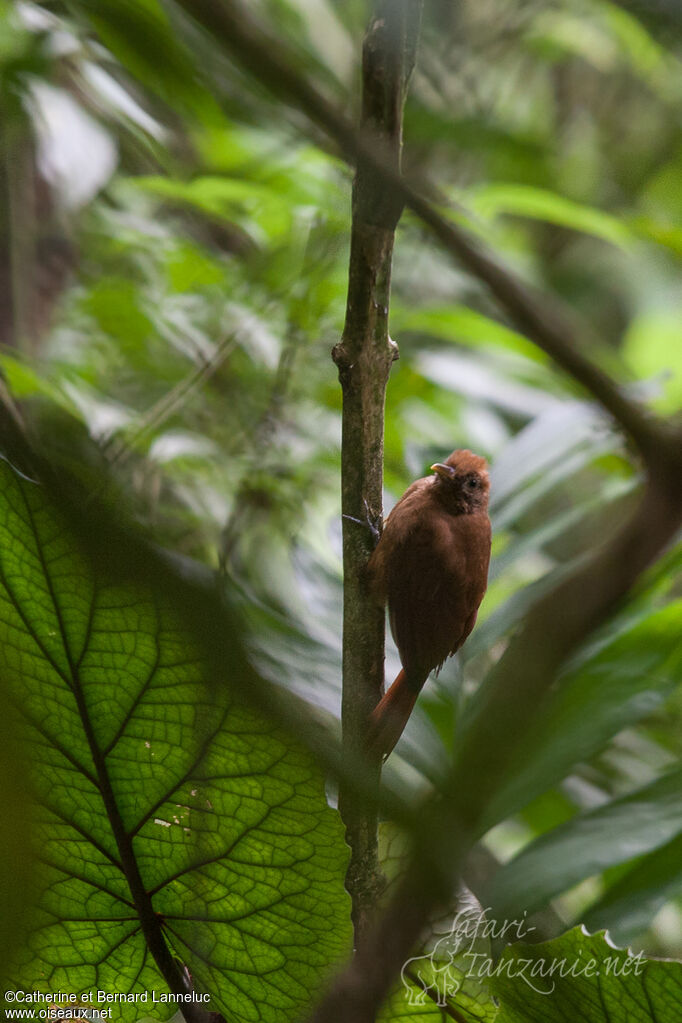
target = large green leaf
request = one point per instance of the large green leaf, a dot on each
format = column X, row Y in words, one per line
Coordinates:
column 167, row 807
column 582, row 977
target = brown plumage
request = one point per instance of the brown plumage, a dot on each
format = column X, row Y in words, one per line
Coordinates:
column 431, row 568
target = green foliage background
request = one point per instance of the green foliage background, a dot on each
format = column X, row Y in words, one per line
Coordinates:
column 175, row 248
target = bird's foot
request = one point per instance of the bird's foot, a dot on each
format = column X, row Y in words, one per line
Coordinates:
column 371, row 522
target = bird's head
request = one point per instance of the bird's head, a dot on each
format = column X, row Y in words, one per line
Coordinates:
column 463, row 481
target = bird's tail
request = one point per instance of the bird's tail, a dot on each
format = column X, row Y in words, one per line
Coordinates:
column 389, row 717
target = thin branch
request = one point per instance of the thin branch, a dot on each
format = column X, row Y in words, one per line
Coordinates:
column 259, row 445
column 119, row 450
column 364, row 357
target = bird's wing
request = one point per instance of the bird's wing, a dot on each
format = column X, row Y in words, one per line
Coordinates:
column 434, row 586
column 396, row 527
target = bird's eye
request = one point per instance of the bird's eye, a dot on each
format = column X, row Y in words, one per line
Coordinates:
column 473, row 483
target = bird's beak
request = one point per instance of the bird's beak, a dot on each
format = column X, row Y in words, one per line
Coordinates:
column 445, row 471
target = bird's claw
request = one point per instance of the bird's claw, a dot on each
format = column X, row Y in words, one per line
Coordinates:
column 371, row 522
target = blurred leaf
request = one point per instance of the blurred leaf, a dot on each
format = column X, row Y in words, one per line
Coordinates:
column 24, row 381
column 624, row 676
column 642, row 51
column 540, row 204
column 651, row 347
column 588, row 844
column 483, row 381
column 115, row 305
column 330, row 43
column 227, row 198
column 141, row 36
column 75, row 153
column 627, row 907
column 535, row 540
column 22, row 54
column 463, row 326
column 508, row 149
column 189, row 268
column 662, row 195
column 545, row 447
column 162, row 796
column 667, row 235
